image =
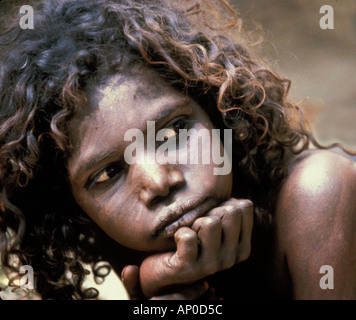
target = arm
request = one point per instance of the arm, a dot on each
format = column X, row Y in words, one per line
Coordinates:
column 316, row 225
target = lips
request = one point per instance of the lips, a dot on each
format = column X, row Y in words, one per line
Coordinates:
column 183, row 214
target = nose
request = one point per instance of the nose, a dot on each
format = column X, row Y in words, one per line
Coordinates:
column 156, row 181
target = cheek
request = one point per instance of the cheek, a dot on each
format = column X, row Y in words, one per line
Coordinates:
column 202, row 180
column 102, row 211
column 124, row 222
column 204, row 176
column 224, row 186
column 110, row 215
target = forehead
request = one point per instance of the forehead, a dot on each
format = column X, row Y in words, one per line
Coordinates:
column 123, row 92
column 127, row 100
column 137, row 84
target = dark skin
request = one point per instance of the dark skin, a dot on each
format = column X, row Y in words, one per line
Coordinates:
column 315, row 212
column 315, row 224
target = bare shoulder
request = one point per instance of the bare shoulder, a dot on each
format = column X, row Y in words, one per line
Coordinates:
column 318, row 179
column 316, row 223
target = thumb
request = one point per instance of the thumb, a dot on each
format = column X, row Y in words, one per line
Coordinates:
column 130, row 277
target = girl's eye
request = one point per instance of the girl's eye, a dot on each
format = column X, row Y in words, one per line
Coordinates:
column 109, row 173
column 174, row 129
column 180, row 124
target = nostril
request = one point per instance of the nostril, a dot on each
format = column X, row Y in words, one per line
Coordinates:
column 157, row 199
column 174, row 188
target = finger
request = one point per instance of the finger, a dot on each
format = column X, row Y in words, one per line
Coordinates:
column 237, row 223
column 230, row 216
column 130, row 276
column 187, row 245
column 231, row 226
column 190, row 292
column 246, row 230
column 209, row 234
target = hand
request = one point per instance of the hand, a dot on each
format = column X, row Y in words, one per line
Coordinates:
column 213, row 243
column 130, row 278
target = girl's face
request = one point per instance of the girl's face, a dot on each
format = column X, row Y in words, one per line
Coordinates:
column 141, row 204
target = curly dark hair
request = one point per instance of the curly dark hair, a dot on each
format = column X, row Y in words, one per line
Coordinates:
column 44, row 74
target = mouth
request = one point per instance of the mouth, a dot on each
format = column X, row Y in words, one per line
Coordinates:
column 179, row 215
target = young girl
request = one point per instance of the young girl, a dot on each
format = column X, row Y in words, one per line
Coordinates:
column 90, row 72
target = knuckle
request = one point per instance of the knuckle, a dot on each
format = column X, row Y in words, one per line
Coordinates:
column 185, row 234
column 188, row 237
column 245, row 204
column 231, row 213
column 211, row 222
column 237, row 207
column 207, row 223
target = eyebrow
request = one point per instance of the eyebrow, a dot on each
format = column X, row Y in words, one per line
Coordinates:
column 93, row 161
column 102, row 156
